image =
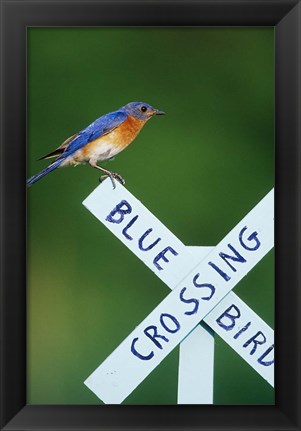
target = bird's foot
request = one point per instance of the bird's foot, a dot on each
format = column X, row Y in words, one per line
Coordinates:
column 113, row 176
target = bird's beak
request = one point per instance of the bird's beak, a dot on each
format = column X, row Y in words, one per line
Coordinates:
column 157, row 112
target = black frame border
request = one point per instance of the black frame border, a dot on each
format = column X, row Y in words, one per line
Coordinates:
column 16, row 16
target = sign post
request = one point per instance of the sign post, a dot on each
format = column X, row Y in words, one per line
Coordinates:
column 201, row 282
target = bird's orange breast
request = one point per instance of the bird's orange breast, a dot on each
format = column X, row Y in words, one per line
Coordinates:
column 128, row 131
column 112, row 143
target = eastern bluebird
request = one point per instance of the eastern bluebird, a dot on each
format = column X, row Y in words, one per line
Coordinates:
column 101, row 140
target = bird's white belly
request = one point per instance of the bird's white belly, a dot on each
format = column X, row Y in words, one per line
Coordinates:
column 97, row 152
column 102, row 151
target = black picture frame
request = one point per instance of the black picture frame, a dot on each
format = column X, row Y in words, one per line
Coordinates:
column 16, row 16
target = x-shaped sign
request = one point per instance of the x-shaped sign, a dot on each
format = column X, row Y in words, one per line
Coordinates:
column 201, row 279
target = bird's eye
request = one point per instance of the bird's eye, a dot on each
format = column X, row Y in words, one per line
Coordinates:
column 143, row 108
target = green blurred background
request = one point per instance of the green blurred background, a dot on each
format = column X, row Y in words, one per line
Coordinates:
column 199, row 169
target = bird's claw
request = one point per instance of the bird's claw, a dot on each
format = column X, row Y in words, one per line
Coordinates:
column 113, row 176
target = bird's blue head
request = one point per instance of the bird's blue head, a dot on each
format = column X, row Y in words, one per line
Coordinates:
column 142, row 111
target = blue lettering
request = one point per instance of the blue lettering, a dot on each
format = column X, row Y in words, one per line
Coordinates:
column 140, row 243
column 155, row 335
column 189, row 301
column 162, row 256
column 242, row 330
column 118, row 210
column 206, row 285
column 173, row 319
column 253, row 236
column 219, row 271
column 266, row 363
column 230, row 317
column 237, row 258
column 139, row 355
column 128, row 226
column 255, row 341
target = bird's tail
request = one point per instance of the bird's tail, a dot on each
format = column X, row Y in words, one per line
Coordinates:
column 46, row 171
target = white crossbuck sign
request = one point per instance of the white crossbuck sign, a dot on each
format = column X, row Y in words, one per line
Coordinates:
column 201, row 279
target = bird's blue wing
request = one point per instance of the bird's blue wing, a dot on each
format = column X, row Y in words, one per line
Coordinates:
column 98, row 128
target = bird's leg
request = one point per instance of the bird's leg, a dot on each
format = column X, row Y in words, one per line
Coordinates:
column 113, row 175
